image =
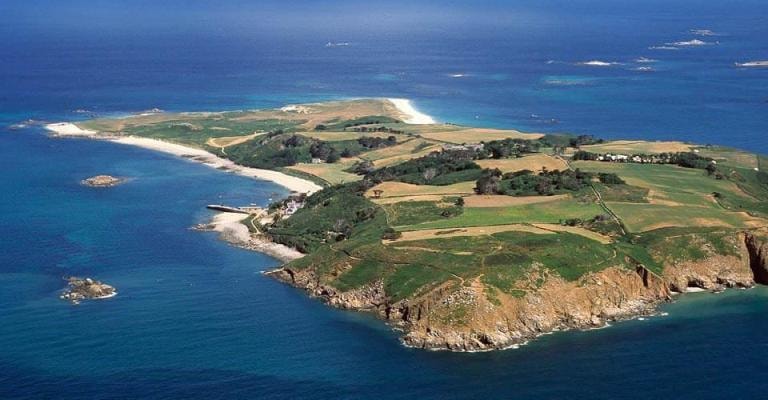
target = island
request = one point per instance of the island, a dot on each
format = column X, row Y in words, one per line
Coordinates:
column 473, row 239
column 102, row 181
column 86, row 289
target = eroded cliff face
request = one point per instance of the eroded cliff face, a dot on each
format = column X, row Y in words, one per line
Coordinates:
column 716, row 272
column 502, row 320
column 471, row 316
column 757, row 246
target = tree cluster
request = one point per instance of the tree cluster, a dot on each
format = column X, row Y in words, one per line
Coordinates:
column 507, row 148
column 424, row 169
column 324, row 151
column 370, row 142
column 584, row 140
column 610, row 179
column 526, row 183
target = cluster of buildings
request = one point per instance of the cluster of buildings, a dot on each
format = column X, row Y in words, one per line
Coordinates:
column 291, row 206
column 639, row 159
column 464, row 147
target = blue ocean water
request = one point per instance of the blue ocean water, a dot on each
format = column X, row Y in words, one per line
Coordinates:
column 196, row 319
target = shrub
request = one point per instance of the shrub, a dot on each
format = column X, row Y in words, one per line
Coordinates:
column 610, row 179
column 391, row 234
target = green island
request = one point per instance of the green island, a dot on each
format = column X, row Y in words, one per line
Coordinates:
column 472, row 239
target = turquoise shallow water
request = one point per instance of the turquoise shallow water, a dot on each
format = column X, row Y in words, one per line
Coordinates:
column 195, row 318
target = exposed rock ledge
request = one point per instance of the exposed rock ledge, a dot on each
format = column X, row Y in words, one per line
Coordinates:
column 102, row 181
column 461, row 317
column 86, row 289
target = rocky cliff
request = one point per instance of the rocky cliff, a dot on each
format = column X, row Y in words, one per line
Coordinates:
column 471, row 316
column 757, row 245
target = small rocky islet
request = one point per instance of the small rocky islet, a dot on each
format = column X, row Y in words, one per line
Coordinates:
column 86, row 289
column 102, row 181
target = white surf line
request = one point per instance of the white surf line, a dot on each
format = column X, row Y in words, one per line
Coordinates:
column 412, row 115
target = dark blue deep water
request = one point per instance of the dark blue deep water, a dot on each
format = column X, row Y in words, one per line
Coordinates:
column 196, row 319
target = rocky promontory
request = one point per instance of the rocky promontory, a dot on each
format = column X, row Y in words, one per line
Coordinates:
column 86, row 289
column 463, row 318
column 102, row 181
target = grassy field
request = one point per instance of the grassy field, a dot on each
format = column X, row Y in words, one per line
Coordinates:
column 331, row 173
column 349, row 135
column 402, row 152
column 401, row 189
column 668, row 184
column 549, row 212
column 495, row 201
column 227, row 141
column 193, row 130
column 476, row 135
column 416, row 212
column 638, row 147
column 645, row 217
column 576, row 231
column 676, row 196
column 427, row 234
column 503, row 258
column 622, row 193
column 730, row 157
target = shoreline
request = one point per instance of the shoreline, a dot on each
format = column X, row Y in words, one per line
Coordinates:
column 412, row 115
column 292, row 183
column 69, row 129
column 230, row 228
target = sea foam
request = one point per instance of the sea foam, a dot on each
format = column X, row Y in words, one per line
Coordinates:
column 598, row 63
column 753, row 64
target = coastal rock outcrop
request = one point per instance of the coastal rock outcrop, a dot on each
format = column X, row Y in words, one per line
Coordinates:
column 472, row 316
column 757, row 245
column 85, row 289
column 102, row 181
column 715, row 272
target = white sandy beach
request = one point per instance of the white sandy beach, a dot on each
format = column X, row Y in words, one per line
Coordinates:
column 69, row 129
column 411, row 115
column 290, row 182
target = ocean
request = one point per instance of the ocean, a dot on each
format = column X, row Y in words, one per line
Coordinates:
column 195, row 318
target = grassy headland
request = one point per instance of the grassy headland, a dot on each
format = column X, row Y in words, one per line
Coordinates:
column 468, row 227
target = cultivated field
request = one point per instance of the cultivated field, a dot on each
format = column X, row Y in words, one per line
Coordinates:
column 404, row 151
column 331, row 173
column 549, row 212
column 668, row 185
column 227, row 141
column 349, row 135
column 638, row 147
column 533, row 162
column 475, row 135
column 427, row 234
column 400, row 189
column 489, row 201
column 575, row 230
column 646, row 217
